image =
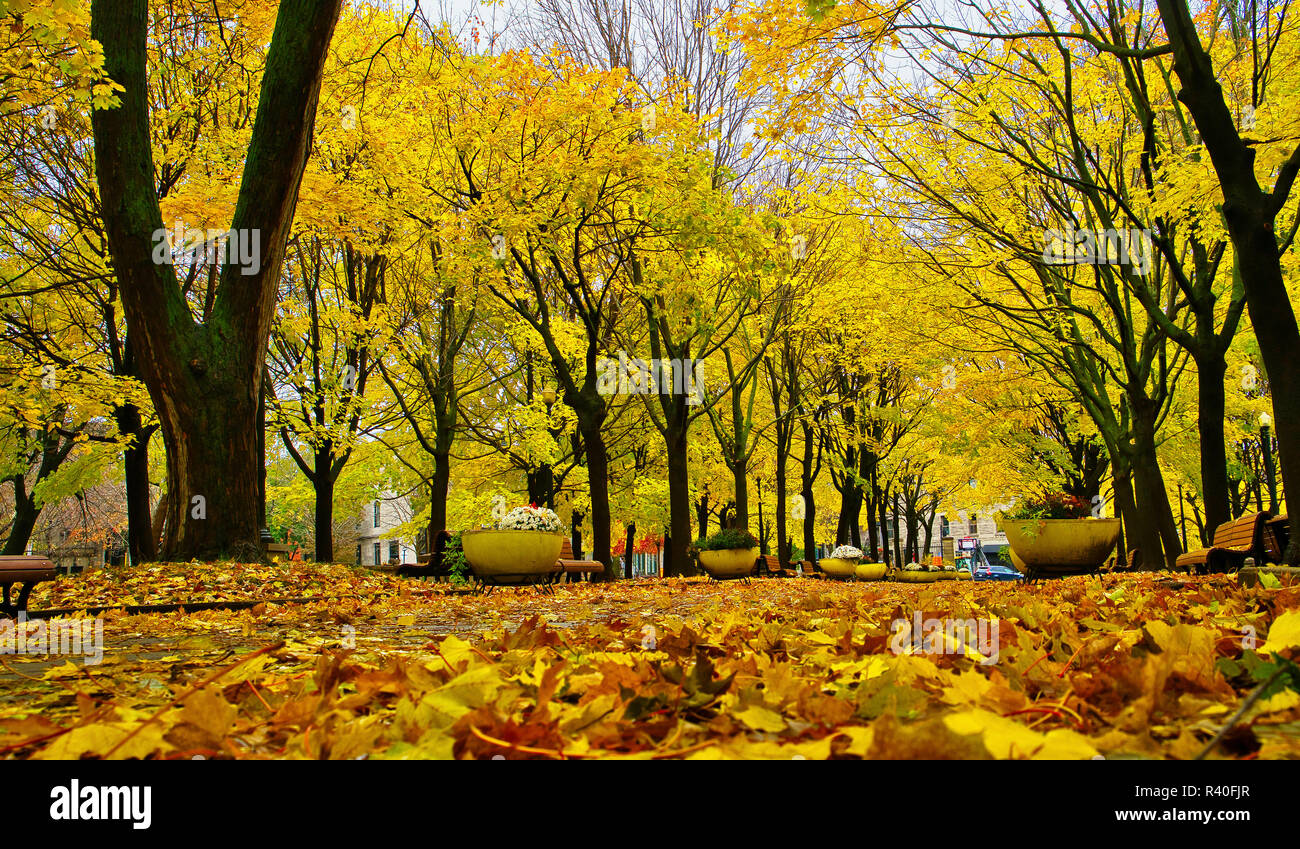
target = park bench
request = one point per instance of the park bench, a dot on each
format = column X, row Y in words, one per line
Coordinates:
column 1277, row 534
column 26, row 570
column 1233, row 542
column 581, row 568
column 770, row 566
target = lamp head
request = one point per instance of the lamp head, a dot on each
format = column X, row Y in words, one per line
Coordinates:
column 1265, row 420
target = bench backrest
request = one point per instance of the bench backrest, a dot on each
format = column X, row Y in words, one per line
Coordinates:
column 1241, row 534
column 566, row 550
column 1276, row 537
column 25, row 567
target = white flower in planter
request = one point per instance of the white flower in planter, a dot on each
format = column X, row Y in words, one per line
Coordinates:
column 847, row 552
column 530, row 519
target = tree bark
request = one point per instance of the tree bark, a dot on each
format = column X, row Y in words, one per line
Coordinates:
column 140, row 538
column 1211, row 403
column 205, row 379
column 1250, row 213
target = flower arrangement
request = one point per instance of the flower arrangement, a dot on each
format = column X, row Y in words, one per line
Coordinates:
column 727, row 538
column 530, row 518
column 1052, row 506
column 846, row 552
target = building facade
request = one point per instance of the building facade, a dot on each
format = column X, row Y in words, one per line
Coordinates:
column 378, row 541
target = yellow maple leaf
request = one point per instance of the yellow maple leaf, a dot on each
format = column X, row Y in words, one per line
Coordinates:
column 1284, row 633
column 1005, row 738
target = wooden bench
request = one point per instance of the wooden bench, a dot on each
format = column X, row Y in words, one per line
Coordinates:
column 1277, row 535
column 26, row 570
column 1233, row 542
column 424, row 566
column 581, row 568
column 770, row 565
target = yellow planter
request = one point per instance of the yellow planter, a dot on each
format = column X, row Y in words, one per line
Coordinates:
column 916, row 576
column 729, row 562
column 1060, row 546
column 494, row 553
column 870, row 571
column 837, row 567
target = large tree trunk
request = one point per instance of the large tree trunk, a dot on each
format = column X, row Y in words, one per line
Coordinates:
column 140, row 538
column 679, row 504
column 1250, row 213
column 1210, row 414
column 323, row 483
column 438, row 493
column 598, row 486
column 740, row 480
column 205, row 380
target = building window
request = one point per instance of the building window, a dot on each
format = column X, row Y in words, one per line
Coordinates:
column 377, row 560
column 394, row 551
column 974, row 528
column 376, row 514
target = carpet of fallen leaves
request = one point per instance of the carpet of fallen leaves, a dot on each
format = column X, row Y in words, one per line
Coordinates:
column 381, row 667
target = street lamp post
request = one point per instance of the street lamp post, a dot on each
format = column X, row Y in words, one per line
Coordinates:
column 1266, row 446
column 1182, row 517
column 548, row 474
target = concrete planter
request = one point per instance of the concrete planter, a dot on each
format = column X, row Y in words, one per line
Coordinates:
column 728, row 562
column 1060, row 546
column 500, row 554
column 837, row 567
column 871, row 571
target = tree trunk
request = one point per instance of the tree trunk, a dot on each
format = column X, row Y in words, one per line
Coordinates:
column 898, row 542
column 25, row 515
column 26, row 511
column 323, row 483
column 205, row 380
column 1125, row 508
column 1250, row 213
column 679, row 505
column 141, row 540
column 629, row 547
column 438, row 494
column 782, row 543
column 1211, row 403
column 576, row 536
column 740, row 480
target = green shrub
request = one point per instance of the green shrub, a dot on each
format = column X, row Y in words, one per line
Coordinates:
column 727, row 538
column 453, row 557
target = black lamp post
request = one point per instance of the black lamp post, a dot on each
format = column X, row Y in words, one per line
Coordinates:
column 762, row 537
column 1266, row 446
column 548, row 475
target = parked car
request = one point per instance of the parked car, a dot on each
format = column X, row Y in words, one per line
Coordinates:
column 984, row 569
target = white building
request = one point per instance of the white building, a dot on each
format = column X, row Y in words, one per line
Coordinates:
column 378, row 540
